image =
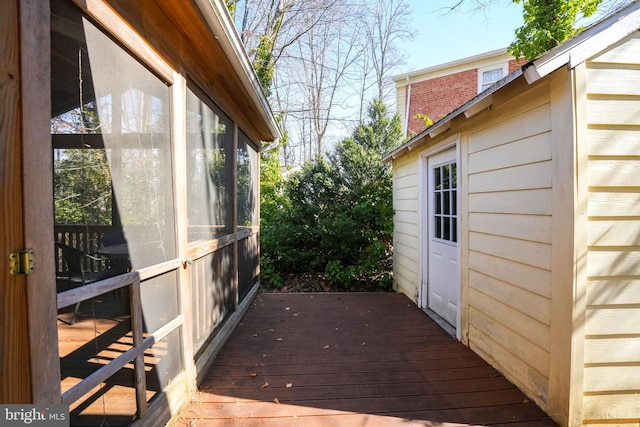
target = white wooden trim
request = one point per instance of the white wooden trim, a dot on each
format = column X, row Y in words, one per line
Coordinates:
column 567, row 298
column 423, row 194
column 463, row 237
column 504, row 66
column 471, row 62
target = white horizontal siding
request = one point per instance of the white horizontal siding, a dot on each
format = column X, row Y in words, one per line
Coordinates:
column 524, row 202
column 614, row 142
column 525, row 252
column 614, row 262
column 523, row 300
column 523, row 276
column 616, row 408
column 535, row 148
column 405, row 221
column 491, row 341
column 615, row 112
column 611, row 350
column 523, row 126
column 536, row 228
column 612, row 321
column 525, row 177
column 614, row 172
column 614, row 203
column 613, row 291
column 599, row 78
column 611, row 378
column 510, row 242
column 519, row 323
column 623, row 53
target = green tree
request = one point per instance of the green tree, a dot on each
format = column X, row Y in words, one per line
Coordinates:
column 547, row 23
column 82, row 187
column 335, row 216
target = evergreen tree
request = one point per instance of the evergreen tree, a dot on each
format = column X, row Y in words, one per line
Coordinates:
column 336, row 217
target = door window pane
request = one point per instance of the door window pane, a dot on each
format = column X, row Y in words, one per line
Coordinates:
column 445, row 204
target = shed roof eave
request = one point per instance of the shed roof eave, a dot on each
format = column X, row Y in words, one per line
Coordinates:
column 219, row 21
column 483, row 100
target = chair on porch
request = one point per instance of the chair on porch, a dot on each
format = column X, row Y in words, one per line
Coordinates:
column 79, row 271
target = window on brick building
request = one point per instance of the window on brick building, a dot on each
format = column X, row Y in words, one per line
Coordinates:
column 490, row 75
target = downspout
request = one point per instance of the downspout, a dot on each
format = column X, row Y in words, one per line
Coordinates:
column 406, row 110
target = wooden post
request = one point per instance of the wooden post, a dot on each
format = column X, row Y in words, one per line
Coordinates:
column 37, row 158
column 234, row 203
column 15, row 374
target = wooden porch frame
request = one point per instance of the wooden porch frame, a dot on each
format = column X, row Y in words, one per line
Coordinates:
column 31, row 366
column 35, row 77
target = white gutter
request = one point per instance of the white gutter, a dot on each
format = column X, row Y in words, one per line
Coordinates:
column 217, row 16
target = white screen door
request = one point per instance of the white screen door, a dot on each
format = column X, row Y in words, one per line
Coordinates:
column 442, row 239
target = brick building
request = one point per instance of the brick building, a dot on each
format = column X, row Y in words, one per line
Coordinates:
column 438, row 90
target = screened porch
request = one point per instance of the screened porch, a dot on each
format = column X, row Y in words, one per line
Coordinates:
column 155, row 222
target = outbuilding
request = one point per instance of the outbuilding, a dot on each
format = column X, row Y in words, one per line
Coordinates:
column 517, row 224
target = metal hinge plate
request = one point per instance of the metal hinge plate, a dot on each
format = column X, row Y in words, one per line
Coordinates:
column 21, row 262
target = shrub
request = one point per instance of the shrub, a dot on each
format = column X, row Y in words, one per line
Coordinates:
column 335, row 216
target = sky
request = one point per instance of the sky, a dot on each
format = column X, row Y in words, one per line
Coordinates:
column 443, row 36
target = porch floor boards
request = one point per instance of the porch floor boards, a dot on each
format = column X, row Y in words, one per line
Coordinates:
column 343, row 359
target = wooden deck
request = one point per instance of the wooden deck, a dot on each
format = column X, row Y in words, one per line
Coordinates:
column 351, row 360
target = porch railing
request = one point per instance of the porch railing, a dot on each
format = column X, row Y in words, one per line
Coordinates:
column 86, row 238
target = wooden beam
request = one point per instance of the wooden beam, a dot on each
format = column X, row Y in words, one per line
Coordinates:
column 15, row 373
column 234, row 211
column 440, row 129
column 126, row 35
column 478, row 107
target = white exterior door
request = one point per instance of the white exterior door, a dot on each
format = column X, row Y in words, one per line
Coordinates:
column 441, row 226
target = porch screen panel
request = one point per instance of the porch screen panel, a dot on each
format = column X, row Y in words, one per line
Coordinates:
column 134, row 112
column 248, row 264
column 213, row 294
column 248, row 180
column 133, row 108
column 209, row 142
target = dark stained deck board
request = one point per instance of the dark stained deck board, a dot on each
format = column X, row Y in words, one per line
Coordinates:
column 365, row 359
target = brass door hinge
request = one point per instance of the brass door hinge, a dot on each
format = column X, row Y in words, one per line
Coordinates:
column 21, row 262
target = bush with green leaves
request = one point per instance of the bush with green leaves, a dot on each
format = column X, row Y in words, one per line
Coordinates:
column 335, row 216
